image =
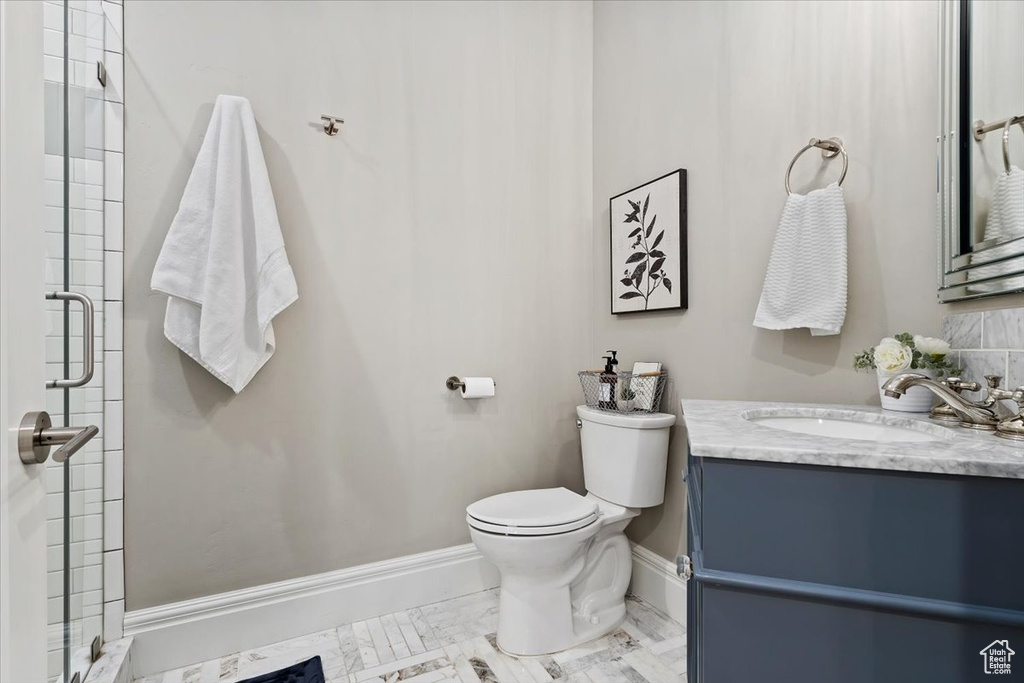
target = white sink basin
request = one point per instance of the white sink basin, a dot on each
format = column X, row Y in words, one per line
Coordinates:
column 849, row 424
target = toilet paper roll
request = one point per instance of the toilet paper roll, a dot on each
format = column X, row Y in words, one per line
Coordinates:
column 478, row 387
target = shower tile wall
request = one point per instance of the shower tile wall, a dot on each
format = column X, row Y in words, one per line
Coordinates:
column 988, row 343
column 113, row 279
column 96, row 236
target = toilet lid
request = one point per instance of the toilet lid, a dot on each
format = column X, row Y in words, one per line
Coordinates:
column 532, row 512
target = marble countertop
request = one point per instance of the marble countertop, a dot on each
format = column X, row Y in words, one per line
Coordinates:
column 717, row 429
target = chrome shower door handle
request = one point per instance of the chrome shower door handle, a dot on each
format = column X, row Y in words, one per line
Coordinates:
column 88, row 360
column 36, row 436
column 72, row 438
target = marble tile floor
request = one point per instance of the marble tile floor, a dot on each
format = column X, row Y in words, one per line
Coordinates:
column 455, row 641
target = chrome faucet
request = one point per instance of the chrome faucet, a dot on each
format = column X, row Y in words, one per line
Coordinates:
column 972, row 416
column 942, row 412
column 1013, row 427
column 994, row 397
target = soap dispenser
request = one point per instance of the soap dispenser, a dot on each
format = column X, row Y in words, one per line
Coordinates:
column 608, row 382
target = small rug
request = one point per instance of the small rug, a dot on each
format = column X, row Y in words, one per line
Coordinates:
column 309, row 671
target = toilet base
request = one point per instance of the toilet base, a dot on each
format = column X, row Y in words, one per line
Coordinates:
column 544, row 617
column 559, row 592
column 609, row 620
column 587, row 635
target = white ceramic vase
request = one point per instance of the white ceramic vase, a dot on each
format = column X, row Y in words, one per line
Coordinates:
column 916, row 400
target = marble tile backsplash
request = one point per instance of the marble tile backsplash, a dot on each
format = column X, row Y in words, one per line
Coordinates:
column 988, row 343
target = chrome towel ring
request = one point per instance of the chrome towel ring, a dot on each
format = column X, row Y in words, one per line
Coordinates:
column 829, row 149
column 1006, row 138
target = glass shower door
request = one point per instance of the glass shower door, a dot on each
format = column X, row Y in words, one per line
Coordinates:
column 73, row 107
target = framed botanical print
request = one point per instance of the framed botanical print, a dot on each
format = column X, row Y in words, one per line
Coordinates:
column 648, row 246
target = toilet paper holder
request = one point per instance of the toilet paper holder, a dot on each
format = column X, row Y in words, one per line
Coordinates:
column 453, row 383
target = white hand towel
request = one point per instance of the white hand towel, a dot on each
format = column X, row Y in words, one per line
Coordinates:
column 1006, row 211
column 1005, row 222
column 805, row 285
column 223, row 263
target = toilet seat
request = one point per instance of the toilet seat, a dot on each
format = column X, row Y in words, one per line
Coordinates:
column 534, row 512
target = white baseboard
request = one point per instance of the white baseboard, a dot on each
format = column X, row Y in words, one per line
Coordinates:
column 182, row 633
column 655, row 581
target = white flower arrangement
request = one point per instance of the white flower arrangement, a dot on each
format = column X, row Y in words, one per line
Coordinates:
column 906, row 352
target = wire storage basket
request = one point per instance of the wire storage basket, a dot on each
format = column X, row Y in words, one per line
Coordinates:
column 623, row 392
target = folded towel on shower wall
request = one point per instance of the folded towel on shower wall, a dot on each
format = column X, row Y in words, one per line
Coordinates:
column 805, row 285
column 223, row 263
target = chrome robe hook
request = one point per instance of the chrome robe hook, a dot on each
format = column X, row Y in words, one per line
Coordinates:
column 331, row 124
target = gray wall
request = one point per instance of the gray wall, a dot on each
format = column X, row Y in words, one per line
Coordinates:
column 731, row 91
column 458, row 194
column 439, row 233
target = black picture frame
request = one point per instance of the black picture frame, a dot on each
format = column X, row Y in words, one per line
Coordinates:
column 654, row 272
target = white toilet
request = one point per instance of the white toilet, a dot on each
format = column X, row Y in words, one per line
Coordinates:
column 564, row 560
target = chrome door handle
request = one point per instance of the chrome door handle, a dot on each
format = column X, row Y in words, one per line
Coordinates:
column 36, row 436
column 88, row 360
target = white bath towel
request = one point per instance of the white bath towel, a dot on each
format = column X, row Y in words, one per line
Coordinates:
column 223, row 263
column 805, row 285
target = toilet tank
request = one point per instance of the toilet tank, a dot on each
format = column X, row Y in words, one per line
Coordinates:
column 625, row 456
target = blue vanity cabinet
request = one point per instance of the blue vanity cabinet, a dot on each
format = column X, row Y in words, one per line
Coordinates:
column 805, row 573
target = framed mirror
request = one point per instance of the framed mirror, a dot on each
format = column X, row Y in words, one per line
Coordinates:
column 981, row 148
